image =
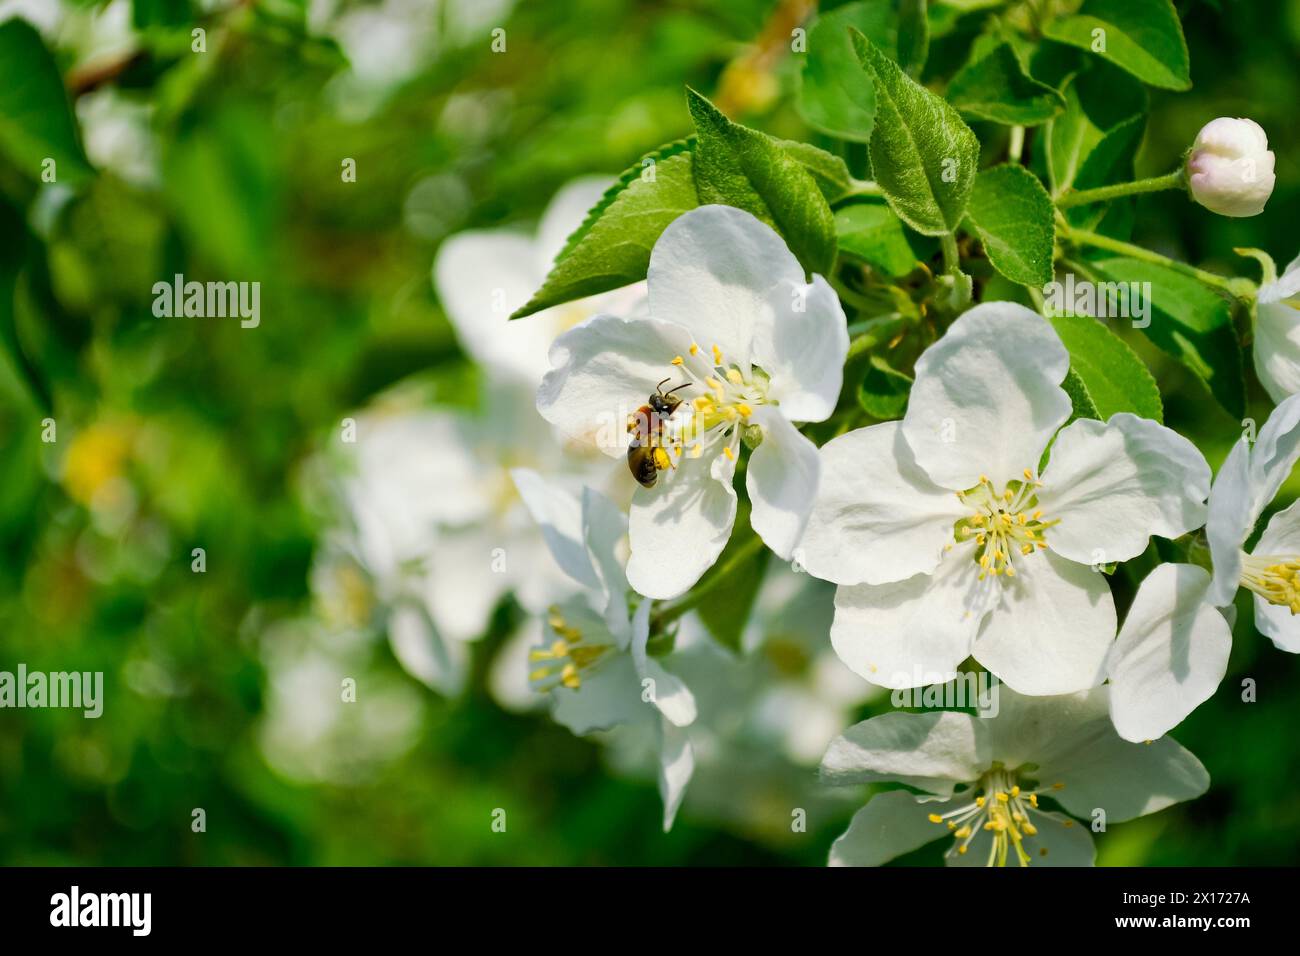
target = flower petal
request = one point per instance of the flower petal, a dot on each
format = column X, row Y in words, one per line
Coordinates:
column 1280, row 537
column 1287, row 284
column 1171, row 654
column 610, row 695
column 460, row 588
column 602, row 372
column 711, row 272
column 1275, row 453
column 397, row 459
column 1073, row 742
column 481, row 278
column 877, row 518
column 911, row 633
column 669, row 694
column 1051, row 628
column 890, row 825
column 801, row 342
column 1277, row 347
column 559, row 514
column 680, row 526
column 933, row 751
column 987, row 396
column 1113, row 485
column 676, row 766
column 782, row 481
column 1229, row 521
column 604, row 529
column 440, row 665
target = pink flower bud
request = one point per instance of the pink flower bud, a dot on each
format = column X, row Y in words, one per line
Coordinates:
column 1230, row 169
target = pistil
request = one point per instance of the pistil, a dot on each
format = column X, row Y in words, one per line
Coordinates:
column 1003, row 525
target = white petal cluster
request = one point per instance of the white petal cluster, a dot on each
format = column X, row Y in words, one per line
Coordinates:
column 975, row 537
column 751, row 348
column 947, row 540
column 984, row 783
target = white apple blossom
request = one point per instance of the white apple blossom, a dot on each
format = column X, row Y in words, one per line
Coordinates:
column 593, row 658
column 947, row 542
column 1277, row 331
column 1173, row 649
column 752, row 347
column 766, row 713
column 1246, row 484
column 1230, row 167
column 435, row 533
column 983, row 782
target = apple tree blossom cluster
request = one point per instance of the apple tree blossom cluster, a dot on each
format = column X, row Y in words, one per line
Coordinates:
column 738, row 384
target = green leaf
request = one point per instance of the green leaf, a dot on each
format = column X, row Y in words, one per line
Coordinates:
column 923, row 156
column 1013, row 217
column 1083, row 405
column 1191, row 323
column 1143, row 37
column 750, row 170
column 884, row 391
column 731, row 601
column 997, row 88
column 874, row 234
column 1097, row 102
column 1113, row 376
column 36, row 121
column 833, row 95
column 612, row 246
column 829, row 172
column 913, row 36
column 160, row 13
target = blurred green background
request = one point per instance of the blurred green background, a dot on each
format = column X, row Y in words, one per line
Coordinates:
column 176, row 434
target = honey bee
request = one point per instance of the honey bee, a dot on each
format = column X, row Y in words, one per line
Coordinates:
column 646, row 457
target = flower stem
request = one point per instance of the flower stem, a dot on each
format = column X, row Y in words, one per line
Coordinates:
column 1239, row 288
column 951, row 262
column 1083, row 197
column 960, row 284
column 1017, row 144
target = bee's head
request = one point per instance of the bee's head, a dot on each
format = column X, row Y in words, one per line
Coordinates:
column 664, row 404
